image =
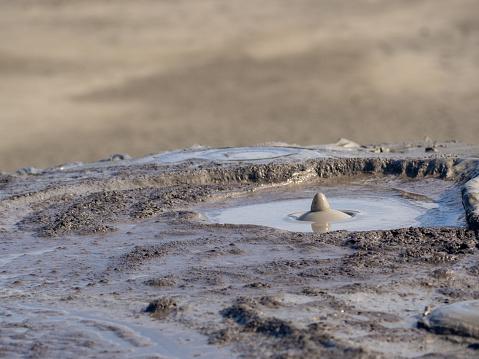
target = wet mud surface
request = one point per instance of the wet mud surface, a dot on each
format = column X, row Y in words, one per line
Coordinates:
column 115, row 259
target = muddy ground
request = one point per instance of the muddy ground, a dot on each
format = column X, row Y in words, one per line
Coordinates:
column 114, row 259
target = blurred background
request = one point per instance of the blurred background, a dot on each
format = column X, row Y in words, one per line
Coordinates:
column 82, row 79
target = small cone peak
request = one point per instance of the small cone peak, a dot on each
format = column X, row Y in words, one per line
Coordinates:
column 320, row 203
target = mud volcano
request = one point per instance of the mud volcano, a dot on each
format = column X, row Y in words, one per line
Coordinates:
column 201, row 253
column 359, row 205
column 321, row 211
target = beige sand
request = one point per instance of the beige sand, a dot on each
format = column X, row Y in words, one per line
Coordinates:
column 83, row 79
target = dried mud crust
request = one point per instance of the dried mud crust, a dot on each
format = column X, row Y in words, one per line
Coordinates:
column 418, row 244
column 95, row 213
column 290, row 341
column 253, row 306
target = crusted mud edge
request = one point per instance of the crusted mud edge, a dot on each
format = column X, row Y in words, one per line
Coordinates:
column 90, row 204
column 470, row 200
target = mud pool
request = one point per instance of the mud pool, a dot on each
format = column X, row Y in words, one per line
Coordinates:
column 87, row 248
column 373, row 207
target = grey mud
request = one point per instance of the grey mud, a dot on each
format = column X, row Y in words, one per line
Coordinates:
column 117, row 259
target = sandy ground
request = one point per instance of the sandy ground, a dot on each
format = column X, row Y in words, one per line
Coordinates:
column 116, row 259
column 83, row 79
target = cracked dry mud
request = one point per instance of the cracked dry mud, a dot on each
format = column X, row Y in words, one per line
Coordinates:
column 115, row 259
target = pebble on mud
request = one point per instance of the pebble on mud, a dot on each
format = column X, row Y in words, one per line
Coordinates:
column 161, row 308
column 160, row 282
column 270, row 301
column 223, row 336
column 460, row 318
column 257, row 285
column 443, row 274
